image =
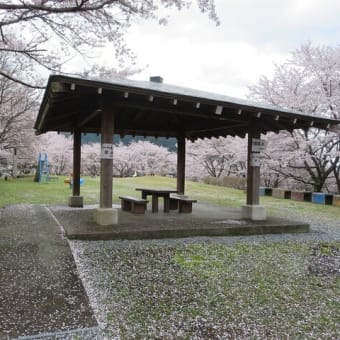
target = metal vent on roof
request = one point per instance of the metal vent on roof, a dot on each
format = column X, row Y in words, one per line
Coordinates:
column 156, row 79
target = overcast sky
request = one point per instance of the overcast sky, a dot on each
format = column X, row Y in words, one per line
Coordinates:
column 254, row 34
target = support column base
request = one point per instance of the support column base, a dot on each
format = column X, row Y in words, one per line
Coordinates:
column 106, row 216
column 253, row 212
column 76, row 201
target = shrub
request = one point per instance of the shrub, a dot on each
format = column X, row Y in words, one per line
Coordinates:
column 226, row 181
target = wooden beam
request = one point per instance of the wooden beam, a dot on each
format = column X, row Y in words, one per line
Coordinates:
column 334, row 128
column 58, row 87
column 218, row 128
column 268, row 124
column 89, row 117
column 63, row 127
column 181, row 110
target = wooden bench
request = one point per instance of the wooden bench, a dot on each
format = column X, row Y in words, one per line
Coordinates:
column 174, row 200
column 183, row 203
column 133, row 204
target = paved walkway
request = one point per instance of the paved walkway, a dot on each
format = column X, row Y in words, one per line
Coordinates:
column 40, row 291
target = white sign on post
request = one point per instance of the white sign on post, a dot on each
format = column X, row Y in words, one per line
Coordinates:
column 106, row 151
column 255, row 159
column 258, row 145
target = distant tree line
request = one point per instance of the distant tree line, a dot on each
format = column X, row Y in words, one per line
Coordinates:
column 169, row 143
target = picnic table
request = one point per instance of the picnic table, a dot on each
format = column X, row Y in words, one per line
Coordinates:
column 156, row 193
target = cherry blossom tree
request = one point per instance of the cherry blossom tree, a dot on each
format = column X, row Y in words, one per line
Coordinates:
column 336, row 172
column 17, row 106
column 137, row 158
column 58, row 148
column 47, row 33
column 152, row 159
column 309, row 82
column 217, row 157
column 142, row 158
column 5, row 157
column 124, row 163
column 90, row 159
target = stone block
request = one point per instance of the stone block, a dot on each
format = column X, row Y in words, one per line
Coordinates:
column 254, row 212
column 76, row 201
column 106, row 216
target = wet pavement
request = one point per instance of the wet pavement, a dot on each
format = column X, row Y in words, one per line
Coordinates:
column 40, row 290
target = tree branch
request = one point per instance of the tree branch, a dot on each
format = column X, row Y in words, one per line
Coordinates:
column 22, row 82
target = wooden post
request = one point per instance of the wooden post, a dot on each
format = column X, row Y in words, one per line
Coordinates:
column 181, row 164
column 106, row 166
column 253, row 172
column 105, row 214
column 76, row 162
column 253, row 210
column 76, row 200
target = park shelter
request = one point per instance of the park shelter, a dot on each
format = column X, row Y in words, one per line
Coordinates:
column 153, row 108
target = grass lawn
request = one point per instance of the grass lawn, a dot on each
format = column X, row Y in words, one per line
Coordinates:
column 204, row 290
column 24, row 190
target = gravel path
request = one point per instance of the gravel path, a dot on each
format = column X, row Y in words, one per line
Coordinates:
column 130, row 263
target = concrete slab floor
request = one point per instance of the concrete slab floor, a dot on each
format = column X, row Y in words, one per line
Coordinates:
column 205, row 220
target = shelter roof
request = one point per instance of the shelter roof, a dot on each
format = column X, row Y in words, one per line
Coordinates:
column 151, row 108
